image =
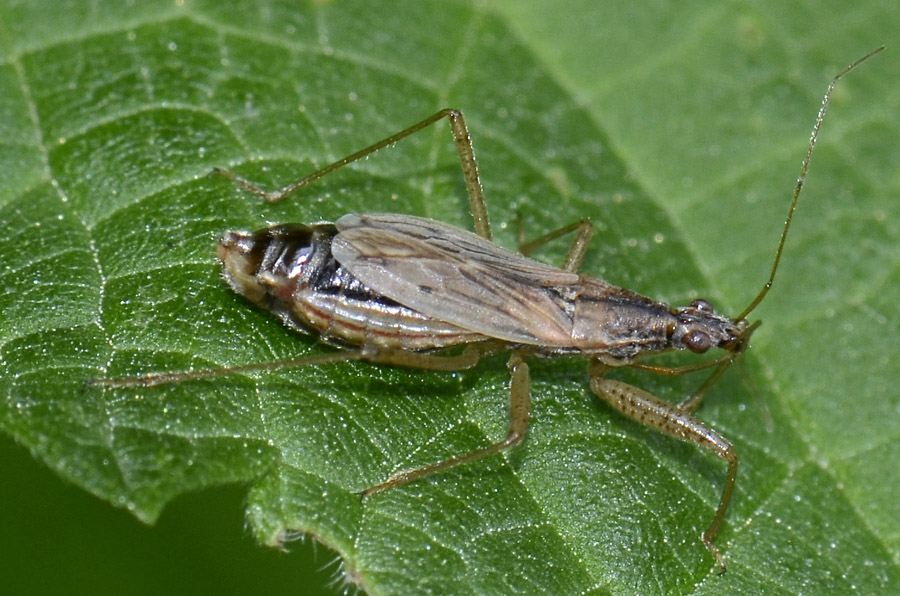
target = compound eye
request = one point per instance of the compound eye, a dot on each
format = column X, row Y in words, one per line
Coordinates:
column 702, row 306
column 697, row 341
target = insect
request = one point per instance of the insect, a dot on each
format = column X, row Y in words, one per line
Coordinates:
column 398, row 289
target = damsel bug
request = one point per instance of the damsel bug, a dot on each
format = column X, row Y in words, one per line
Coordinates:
column 395, row 289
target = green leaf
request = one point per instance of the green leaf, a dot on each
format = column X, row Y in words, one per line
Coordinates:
column 677, row 131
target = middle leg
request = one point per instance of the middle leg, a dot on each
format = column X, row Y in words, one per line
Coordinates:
column 583, row 229
column 519, row 411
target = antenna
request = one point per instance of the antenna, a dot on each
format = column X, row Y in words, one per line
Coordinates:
column 800, row 179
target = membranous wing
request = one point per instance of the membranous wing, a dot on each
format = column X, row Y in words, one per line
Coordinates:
column 458, row 277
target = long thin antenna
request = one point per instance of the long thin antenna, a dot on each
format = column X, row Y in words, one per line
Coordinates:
column 812, row 143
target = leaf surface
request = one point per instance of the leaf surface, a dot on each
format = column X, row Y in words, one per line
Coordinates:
column 677, row 133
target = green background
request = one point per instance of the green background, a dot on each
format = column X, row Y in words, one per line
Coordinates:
column 677, row 129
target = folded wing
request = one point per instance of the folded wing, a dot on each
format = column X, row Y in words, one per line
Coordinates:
column 458, row 277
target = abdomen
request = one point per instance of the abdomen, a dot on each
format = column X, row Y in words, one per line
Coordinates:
column 290, row 271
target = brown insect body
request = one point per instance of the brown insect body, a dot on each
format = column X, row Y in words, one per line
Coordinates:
column 391, row 280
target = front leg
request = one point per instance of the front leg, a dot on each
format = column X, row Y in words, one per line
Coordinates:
column 677, row 422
